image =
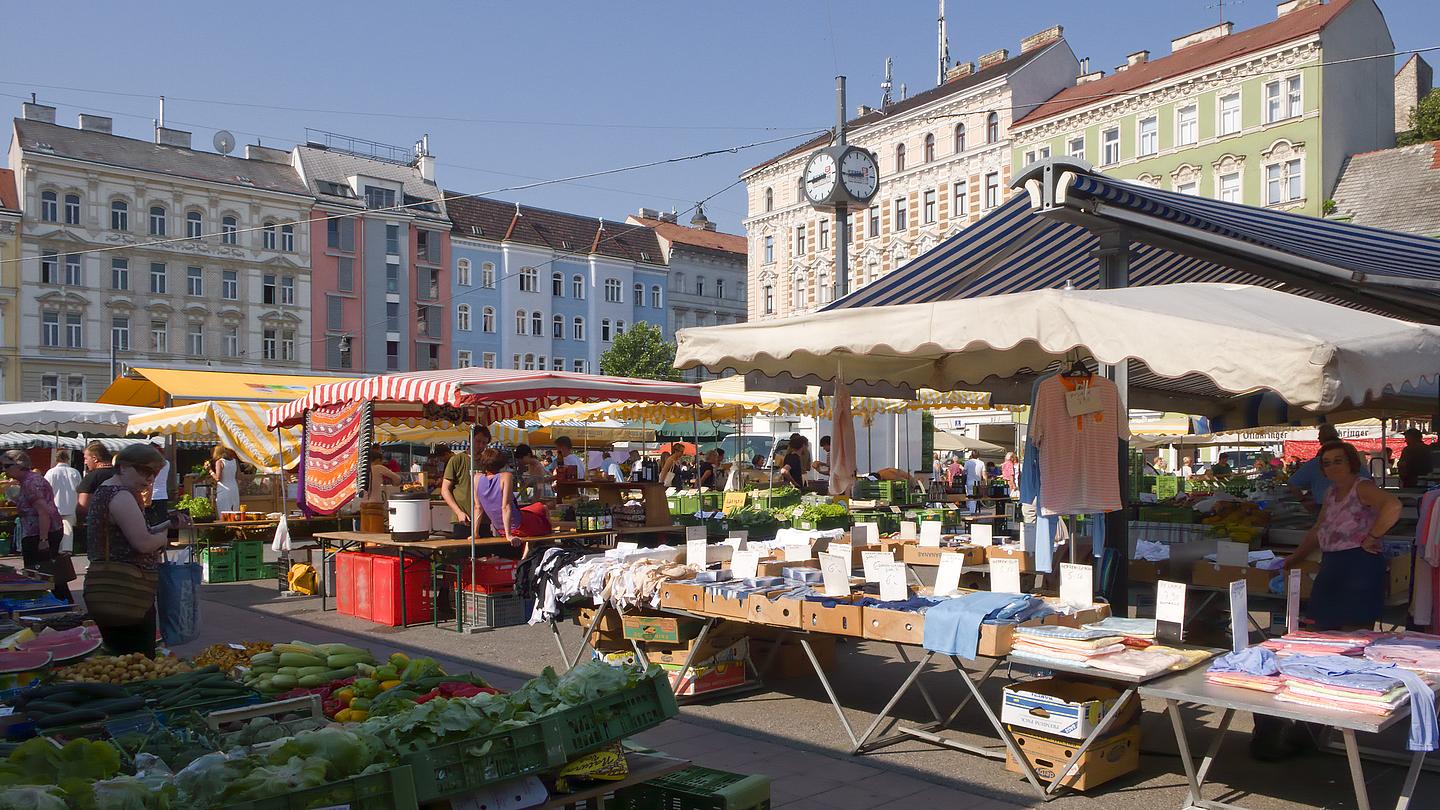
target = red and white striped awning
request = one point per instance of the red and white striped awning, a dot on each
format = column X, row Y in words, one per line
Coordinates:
column 504, row 393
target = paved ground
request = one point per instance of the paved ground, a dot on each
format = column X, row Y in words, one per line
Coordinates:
column 790, row 732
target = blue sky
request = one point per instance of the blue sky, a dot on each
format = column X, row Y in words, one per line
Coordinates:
column 511, row 92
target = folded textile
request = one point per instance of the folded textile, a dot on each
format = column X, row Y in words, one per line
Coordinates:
column 1151, row 551
column 1360, row 674
column 1249, row 661
column 1036, row 658
column 1139, row 663
column 914, row 604
column 1066, row 655
column 1139, row 628
column 1308, row 648
column 952, row 627
column 1287, row 696
column 1413, row 651
column 1259, row 683
column 1254, row 557
column 1389, row 699
column 1067, row 645
column 1058, row 632
column 1188, row 657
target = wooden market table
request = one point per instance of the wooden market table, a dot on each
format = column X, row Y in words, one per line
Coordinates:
column 1191, row 687
column 612, row 493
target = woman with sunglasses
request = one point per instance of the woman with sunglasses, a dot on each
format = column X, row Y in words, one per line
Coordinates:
column 41, row 529
column 1349, row 591
column 119, row 532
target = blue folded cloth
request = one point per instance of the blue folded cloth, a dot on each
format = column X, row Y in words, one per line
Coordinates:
column 1249, row 661
column 1067, row 633
column 914, row 604
column 952, row 627
column 802, row 574
column 1359, row 673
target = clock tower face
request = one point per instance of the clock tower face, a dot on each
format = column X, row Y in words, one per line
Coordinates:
column 820, row 179
column 859, row 174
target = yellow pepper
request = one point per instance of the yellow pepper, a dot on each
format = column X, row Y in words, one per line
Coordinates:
column 390, row 684
column 357, row 715
column 345, row 695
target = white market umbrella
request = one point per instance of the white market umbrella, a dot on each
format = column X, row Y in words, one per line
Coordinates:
column 61, row 416
column 954, row 442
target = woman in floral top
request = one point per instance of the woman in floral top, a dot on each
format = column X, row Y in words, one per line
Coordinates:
column 119, row 532
column 40, row 527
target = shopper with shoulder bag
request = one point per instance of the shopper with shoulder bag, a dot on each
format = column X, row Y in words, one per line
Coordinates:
column 126, row 550
column 41, row 529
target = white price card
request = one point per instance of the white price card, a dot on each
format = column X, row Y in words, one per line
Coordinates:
column 797, row 553
column 1077, row 585
column 1005, row 575
column 1236, row 555
column 1082, row 401
column 744, row 564
column 627, row 545
column 738, row 539
column 930, row 533
column 1170, row 602
column 842, row 550
column 909, row 530
column 696, row 552
column 871, row 559
column 835, row 571
column 947, row 580
column 1292, row 600
column 695, row 533
column 982, row 534
column 1239, row 616
column 865, row 534
column 893, row 587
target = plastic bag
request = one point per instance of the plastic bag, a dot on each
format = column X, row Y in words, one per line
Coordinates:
column 178, row 601
column 281, row 543
column 301, row 579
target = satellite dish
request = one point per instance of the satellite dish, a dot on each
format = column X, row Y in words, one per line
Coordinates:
column 224, row 142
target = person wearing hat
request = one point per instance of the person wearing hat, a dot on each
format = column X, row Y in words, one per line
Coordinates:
column 1415, row 459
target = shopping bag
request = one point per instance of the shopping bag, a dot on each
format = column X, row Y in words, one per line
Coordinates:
column 178, row 600
column 281, row 543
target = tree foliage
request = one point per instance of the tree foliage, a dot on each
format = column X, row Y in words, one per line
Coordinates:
column 641, row 352
column 1424, row 121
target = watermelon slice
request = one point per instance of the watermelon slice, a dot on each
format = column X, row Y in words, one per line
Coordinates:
column 67, row 650
column 54, row 638
column 11, row 661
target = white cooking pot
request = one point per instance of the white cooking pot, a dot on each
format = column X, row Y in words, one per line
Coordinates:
column 409, row 516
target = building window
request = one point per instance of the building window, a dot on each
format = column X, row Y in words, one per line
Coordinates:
column 376, row 197
column 655, row 298
column 619, row 328
column 577, row 329
column 49, row 269
column 992, row 189
column 557, row 327
column 1283, row 182
column 799, row 240
column 340, row 233
column 537, row 323
column 269, row 344
column 159, row 279
column 335, row 312
column 824, row 292
column 159, row 336
column 824, row 234
column 267, row 289
column 901, row 214
column 769, row 299
column 194, row 282
column 1230, row 187
column 1075, row 147
column 1191, row 188
column 74, row 270
column 874, row 229
column 50, row 386
column 287, row 238
column 462, row 272
column 577, row 288
column 462, row 317
column 769, row 199
column 797, row 294
column 119, row 216
column 487, row 319
column 768, row 252
column 1282, row 99
column 75, row 388
column 487, row 360
column 959, row 138
column 229, row 226
column 194, row 225
column 392, row 278
column 119, row 274
column 463, row 359
column 120, row 333
column 50, row 329
column 605, row 329
column 72, row 209
column 529, row 280
column 927, row 207
column 392, row 240
column 929, row 147
column 195, row 340
column 557, row 364
column 343, row 349
column 392, row 355
column 267, row 236
column 720, row 288
column 579, row 366
column 1230, row 114
column 992, row 128
column 427, row 246
column 1149, row 135
column 519, row 321
column 639, row 294
column 960, row 199
column 557, row 285
column 1187, row 125
column 157, row 220
column 74, row 331
column 1110, row 146
column 287, row 290
column 899, row 157
column 700, row 286
column 230, row 285
column 49, row 206
column 287, row 344
column 613, row 294
column 345, row 274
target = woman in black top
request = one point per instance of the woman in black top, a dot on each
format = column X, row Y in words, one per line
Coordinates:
column 707, row 471
column 795, row 463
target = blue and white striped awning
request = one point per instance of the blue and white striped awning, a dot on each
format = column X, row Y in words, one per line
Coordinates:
column 1174, row 238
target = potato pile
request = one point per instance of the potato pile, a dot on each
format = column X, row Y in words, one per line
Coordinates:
column 122, row 669
column 226, row 657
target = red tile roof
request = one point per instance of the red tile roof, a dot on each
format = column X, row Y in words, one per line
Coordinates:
column 1294, row 25
column 695, row 237
column 500, row 221
column 9, row 197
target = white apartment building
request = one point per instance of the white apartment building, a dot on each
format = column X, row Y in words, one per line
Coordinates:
column 944, row 158
column 153, row 254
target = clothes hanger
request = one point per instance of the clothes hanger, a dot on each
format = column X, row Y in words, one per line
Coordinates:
column 1077, row 366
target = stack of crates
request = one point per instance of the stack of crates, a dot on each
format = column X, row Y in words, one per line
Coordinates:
column 218, row 564
column 250, row 561
column 487, row 598
column 885, row 491
column 697, row 788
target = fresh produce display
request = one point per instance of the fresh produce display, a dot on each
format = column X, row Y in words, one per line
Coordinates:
column 56, row 775
column 176, row 744
column 298, row 664
column 229, row 656
column 71, row 704
column 265, row 729
column 205, row 686
column 64, row 645
column 813, row 512
column 758, row 522
column 121, row 669
column 199, row 509
column 12, row 661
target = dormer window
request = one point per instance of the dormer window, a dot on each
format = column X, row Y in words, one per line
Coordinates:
column 377, row 197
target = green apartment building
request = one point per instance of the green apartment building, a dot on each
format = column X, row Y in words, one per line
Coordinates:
column 1263, row 117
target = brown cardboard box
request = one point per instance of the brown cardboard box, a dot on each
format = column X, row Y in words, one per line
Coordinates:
column 917, row 555
column 610, row 625
column 721, row 638
column 717, row 604
column 774, row 612
column 775, row 568
column 1147, row 571
column 790, row 661
column 894, row 543
column 700, row 680
column 900, row 626
column 1096, row 612
column 683, row 596
column 1110, row 757
column 1012, row 552
column 1209, row 574
column 996, row 640
column 661, row 629
column 841, row 620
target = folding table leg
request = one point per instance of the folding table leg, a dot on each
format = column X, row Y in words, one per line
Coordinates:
column 1005, row 735
column 935, row 712
column 994, row 662
column 694, row 648
column 1172, row 707
column 1357, row 774
column 1214, row 748
column 1411, row 776
column 829, row 691
column 559, row 642
column 1090, row 740
column 894, row 699
column 585, row 639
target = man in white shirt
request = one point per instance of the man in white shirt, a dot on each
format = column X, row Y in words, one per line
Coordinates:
column 611, row 467
column 974, row 478
column 63, row 479
column 160, row 490
column 566, row 450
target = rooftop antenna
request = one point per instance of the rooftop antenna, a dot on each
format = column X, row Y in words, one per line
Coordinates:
column 887, row 83
column 944, row 47
column 162, row 111
column 1221, row 4
column 904, row 94
column 517, row 210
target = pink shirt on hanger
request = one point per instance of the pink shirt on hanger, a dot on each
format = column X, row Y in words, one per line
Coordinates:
column 1079, row 455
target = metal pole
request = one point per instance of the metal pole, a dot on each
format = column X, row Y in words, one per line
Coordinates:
column 1113, row 254
column 842, row 220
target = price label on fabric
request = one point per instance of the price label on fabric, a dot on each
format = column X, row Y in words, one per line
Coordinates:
column 947, row 580
column 982, row 534
column 797, row 553
column 865, row 534
column 738, row 539
column 930, row 533
column 842, row 550
column 1170, row 602
column 909, row 530
column 893, row 587
column 733, row 502
column 1292, row 600
column 835, row 571
column 1083, row 400
column 1077, row 585
column 1239, row 616
column 871, row 559
column 1005, row 575
column 1166, row 487
column 626, row 545
column 1236, row 555
column 696, row 552
column 744, row 564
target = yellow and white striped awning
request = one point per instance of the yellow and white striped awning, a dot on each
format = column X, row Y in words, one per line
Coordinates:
column 239, row 426
column 729, row 406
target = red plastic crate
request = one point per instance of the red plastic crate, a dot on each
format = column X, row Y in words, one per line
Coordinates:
column 384, row 590
column 363, row 595
column 346, row 565
column 492, row 575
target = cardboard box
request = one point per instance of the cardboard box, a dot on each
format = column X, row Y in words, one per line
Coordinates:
column 700, row 680
column 760, row 609
column 720, row 604
column 894, row 543
column 662, row 629
column 1110, row 757
column 724, row 642
column 610, row 626
column 1012, row 552
column 905, row 627
column 841, row 620
column 916, row 555
column 790, row 660
column 1210, row 575
column 996, row 640
column 1400, row 569
column 1147, row 571
column 776, row 568
column 1096, row 612
column 683, row 596
column 1063, row 708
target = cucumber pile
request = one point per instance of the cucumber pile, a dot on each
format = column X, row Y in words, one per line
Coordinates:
column 71, row 704
column 302, row 665
column 202, row 687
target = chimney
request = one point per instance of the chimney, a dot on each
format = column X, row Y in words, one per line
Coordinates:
column 1137, row 58
column 31, row 111
column 96, row 123
column 994, row 58
column 1203, row 35
column 1287, row 6
column 863, row 110
column 426, row 165
column 959, row 71
column 1084, row 65
column 1045, row 37
column 172, row 137
column 1090, row 77
column 648, row 213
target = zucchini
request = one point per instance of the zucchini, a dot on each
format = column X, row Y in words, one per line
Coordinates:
column 291, row 659
column 304, row 671
column 343, row 649
column 340, row 660
column 71, row 718
column 118, row 706
column 282, row 682
column 47, row 707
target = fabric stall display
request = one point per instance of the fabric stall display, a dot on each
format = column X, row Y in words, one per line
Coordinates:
column 333, row 474
column 1354, row 684
column 1130, row 628
column 537, row 578
column 1418, row 652
column 952, row 626
column 1188, row 657
column 1067, row 645
column 1424, row 607
column 1151, row 551
column 1330, row 642
column 1253, row 668
column 1139, row 663
column 605, row 579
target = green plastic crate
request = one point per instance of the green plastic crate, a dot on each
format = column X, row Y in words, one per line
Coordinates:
column 594, row 725
column 249, row 551
column 247, row 571
column 467, row 765
column 388, row 790
column 889, row 522
column 697, row 788
column 218, row 564
column 1168, row 514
